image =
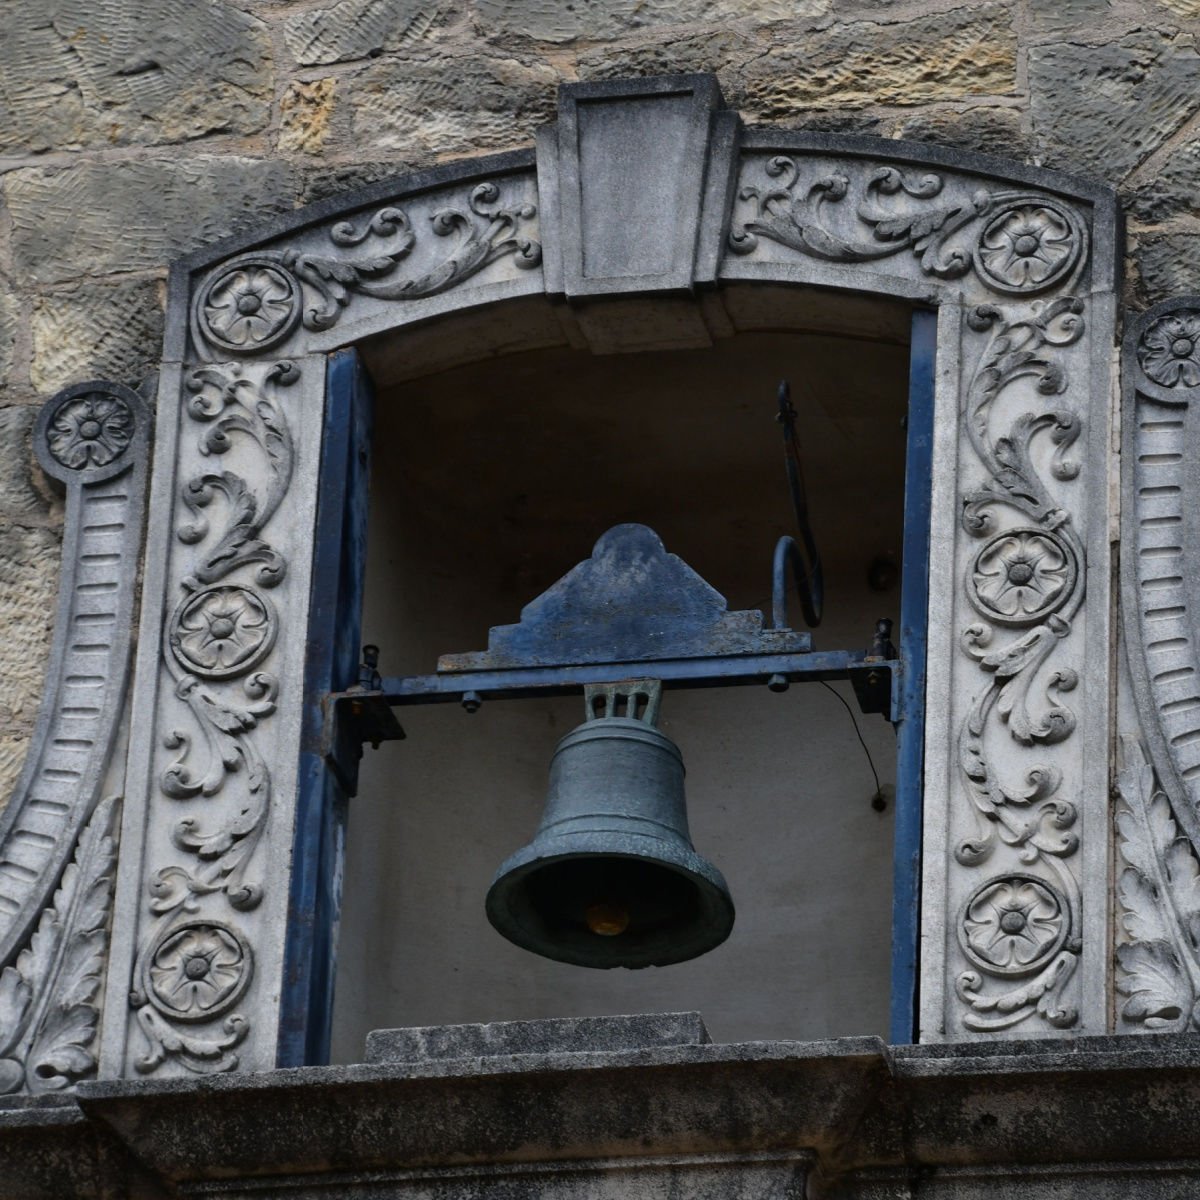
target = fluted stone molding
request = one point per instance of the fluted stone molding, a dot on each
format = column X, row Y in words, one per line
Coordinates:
column 647, row 197
column 58, row 830
column 1158, row 822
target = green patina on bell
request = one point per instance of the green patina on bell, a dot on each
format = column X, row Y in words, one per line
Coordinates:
column 611, row 878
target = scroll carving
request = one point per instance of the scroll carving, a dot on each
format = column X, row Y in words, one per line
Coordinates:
column 193, row 967
column 57, row 835
column 255, row 302
column 1018, row 243
column 1021, row 930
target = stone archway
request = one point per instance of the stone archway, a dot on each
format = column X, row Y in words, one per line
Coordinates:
column 646, row 189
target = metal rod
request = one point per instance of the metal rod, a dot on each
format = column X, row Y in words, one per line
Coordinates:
column 675, row 673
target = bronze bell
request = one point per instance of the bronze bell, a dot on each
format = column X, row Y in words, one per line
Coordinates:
column 611, row 878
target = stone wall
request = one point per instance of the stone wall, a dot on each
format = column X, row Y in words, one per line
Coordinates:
column 132, row 131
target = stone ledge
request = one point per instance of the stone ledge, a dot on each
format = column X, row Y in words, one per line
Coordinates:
column 850, row 1118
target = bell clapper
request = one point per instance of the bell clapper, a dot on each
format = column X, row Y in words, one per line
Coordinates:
column 608, row 920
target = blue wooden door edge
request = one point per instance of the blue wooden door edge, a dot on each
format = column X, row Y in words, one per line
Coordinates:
column 910, row 733
column 331, row 664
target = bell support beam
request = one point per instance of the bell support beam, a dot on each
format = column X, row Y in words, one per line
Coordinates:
column 360, row 715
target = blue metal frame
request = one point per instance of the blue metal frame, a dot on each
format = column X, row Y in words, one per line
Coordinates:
column 910, row 704
column 331, row 665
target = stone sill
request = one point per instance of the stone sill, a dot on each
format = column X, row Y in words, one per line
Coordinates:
column 852, row 1117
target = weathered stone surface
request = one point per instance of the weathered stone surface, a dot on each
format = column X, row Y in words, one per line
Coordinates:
column 305, row 114
column 136, row 215
column 12, row 758
column 723, row 51
column 441, row 106
column 1188, row 9
column 988, row 130
column 553, row 21
column 28, row 586
column 353, row 29
column 321, row 182
column 940, row 56
column 8, row 329
column 1168, row 265
column 1067, row 16
column 100, row 72
column 565, row 1035
column 1103, row 109
column 96, row 330
column 20, row 497
column 1170, row 190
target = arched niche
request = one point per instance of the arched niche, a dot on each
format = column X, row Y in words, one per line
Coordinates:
column 644, row 203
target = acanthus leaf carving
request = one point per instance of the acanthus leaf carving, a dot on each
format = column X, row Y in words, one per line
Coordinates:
column 234, row 404
column 1159, row 895
column 48, row 1009
column 1019, row 243
column 191, row 967
column 255, row 302
column 1027, row 577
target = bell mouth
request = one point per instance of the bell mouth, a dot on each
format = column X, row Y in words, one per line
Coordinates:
column 606, row 909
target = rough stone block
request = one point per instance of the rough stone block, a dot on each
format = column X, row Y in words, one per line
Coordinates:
column 96, row 330
column 938, row 56
column 723, row 51
column 564, row 1035
column 8, row 330
column 554, row 21
column 136, row 215
column 1168, row 265
column 1103, row 109
column 987, row 130
column 324, row 181
column 20, row 496
column 1170, row 190
column 12, row 759
column 106, row 72
column 306, row 112
column 29, row 560
column 440, row 106
column 362, row 28
column 1067, row 16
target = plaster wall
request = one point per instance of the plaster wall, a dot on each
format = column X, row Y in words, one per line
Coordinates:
column 491, row 480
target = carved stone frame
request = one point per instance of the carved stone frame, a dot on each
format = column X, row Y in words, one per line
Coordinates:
column 1021, row 266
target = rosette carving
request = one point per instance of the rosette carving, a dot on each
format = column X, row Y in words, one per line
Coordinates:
column 197, row 970
column 90, row 430
column 1014, row 924
column 1169, row 351
column 1018, row 243
column 223, row 631
column 1027, row 577
column 1022, row 575
column 251, row 306
column 254, row 303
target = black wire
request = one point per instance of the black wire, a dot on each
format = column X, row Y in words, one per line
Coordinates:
column 857, row 733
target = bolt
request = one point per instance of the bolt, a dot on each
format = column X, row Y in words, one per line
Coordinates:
column 472, row 701
column 778, row 683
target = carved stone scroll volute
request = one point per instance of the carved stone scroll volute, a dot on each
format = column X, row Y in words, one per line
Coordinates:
column 58, row 833
column 1158, row 822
